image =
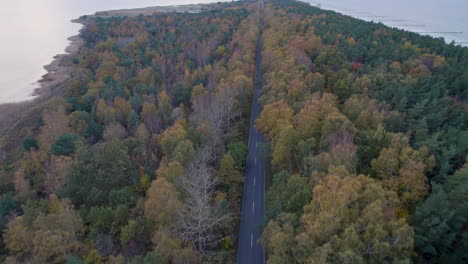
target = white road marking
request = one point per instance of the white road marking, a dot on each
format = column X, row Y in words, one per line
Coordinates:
column 264, row 179
column 253, row 207
column 251, row 240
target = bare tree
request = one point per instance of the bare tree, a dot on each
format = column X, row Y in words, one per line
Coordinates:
column 201, row 220
column 218, row 111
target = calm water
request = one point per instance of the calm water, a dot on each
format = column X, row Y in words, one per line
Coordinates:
column 33, row 31
column 442, row 18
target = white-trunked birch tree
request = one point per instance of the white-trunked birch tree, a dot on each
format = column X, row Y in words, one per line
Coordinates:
column 201, row 219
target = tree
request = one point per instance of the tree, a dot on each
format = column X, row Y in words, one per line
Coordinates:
column 216, row 112
column 119, row 259
column 439, row 221
column 132, row 233
column 150, row 258
column 273, row 117
column 457, row 191
column 51, row 238
column 172, row 248
column 99, row 173
column 64, row 145
column 342, row 154
column 104, row 225
column 94, row 131
column 239, row 152
column 79, row 122
column 278, row 239
column 184, row 152
column 8, row 208
column 310, row 119
column 17, row 237
column 232, row 179
column 142, row 133
column 181, row 93
column 114, row 131
column 227, row 173
column 369, row 144
column 30, row 143
column 175, row 145
column 165, row 107
column 336, row 129
column 56, row 170
column 150, row 117
column 146, row 76
column 456, row 187
column 22, row 185
column 315, row 82
column 402, row 170
column 105, row 114
column 162, row 203
column 366, row 113
column 200, row 218
column 288, row 194
column 284, row 149
column 57, row 233
column 122, row 109
column 100, row 220
column 296, row 91
column 172, row 171
column 73, row 259
column 55, row 124
column 352, row 219
column 133, row 121
column 433, row 222
column 330, row 59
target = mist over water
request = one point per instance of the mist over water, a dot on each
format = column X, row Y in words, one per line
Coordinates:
column 33, row 32
column 442, row 18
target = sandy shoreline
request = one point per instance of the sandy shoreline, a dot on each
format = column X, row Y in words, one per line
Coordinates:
column 58, row 71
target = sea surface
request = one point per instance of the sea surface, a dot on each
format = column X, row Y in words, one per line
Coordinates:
column 32, row 32
column 447, row 19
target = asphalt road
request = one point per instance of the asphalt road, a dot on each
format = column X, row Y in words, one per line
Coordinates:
column 253, row 202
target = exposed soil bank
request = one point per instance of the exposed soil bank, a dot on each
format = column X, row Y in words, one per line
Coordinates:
column 58, row 71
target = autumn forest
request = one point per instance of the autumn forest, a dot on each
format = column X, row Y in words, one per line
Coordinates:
column 140, row 156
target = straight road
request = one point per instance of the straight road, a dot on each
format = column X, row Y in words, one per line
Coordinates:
column 253, row 202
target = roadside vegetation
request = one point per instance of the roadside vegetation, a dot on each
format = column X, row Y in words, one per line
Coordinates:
column 141, row 159
column 368, row 134
column 140, row 156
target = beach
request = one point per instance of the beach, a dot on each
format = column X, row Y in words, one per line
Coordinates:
column 58, row 71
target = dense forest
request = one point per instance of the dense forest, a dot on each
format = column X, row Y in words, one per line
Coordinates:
column 140, row 156
column 141, row 159
column 367, row 130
